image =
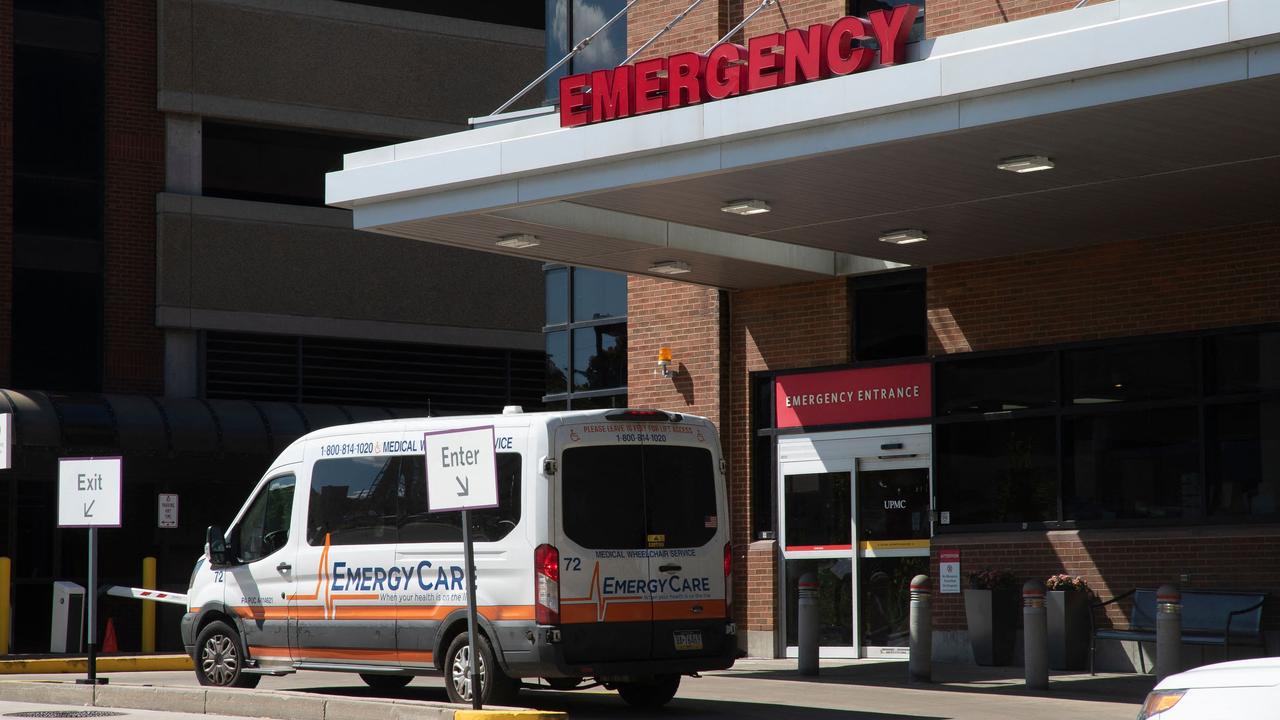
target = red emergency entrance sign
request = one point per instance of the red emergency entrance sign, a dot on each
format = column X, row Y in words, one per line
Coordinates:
column 839, row 397
column 768, row 61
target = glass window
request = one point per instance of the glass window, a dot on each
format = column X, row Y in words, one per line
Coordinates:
column 275, row 165
column 1132, row 465
column 680, row 499
column 762, row 484
column 884, row 586
column 418, row 524
column 557, row 362
column 996, row 384
column 835, row 599
column 1158, row 370
column 557, row 296
column 604, row 514
column 818, row 508
column 264, row 528
column 1243, row 362
column 1243, row 448
column 997, row 472
column 598, row 295
column 609, row 48
column 353, row 501
column 602, row 402
column 637, row 498
column 889, row 316
column 893, row 504
column 600, row 357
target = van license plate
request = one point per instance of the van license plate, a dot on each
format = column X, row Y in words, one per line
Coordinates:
column 688, row 639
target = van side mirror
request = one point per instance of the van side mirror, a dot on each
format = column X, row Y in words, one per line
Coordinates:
column 215, row 546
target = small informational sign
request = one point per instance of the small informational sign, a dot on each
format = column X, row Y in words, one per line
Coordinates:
column 945, row 517
column 461, row 469
column 89, row 491
column 949, row 572
column 167, row 510
column 6, row 441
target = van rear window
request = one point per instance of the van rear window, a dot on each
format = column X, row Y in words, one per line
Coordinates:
column 638, row 496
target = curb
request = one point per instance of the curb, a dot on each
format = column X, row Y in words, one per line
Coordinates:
column 121, row 663
column 280, row 705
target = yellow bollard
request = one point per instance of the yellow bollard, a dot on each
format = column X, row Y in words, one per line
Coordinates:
column 6, row 571
column 148, row 606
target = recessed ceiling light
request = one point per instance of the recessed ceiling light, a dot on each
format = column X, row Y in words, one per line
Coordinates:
column 1025, row 164
column 670, row 267
column 746, row 207
column 903, row 237
column 519, row 241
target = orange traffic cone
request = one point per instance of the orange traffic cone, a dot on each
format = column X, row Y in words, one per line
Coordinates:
column 109, row 639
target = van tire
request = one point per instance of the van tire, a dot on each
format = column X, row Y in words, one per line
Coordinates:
column 651, row 694
column 385, row 682
column 220, row 657
column 496, row 687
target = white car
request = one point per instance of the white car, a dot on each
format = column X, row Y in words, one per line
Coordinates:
column 1237, row 690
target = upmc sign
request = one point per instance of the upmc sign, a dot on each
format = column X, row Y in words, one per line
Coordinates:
column 767, row 62
column 896, row 392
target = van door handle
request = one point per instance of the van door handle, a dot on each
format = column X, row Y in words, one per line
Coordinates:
column 669, row 568
column 284, row 567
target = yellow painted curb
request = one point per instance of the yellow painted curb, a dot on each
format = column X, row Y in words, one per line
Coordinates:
column 508, row 715
column 123, row 663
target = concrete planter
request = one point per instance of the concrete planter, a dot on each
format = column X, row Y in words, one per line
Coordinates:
column 1068, row 614
column 992, row 617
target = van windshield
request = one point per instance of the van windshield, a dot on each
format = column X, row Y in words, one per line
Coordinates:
column 639, row 496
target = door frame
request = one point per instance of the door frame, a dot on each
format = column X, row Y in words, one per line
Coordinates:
column 842, row 451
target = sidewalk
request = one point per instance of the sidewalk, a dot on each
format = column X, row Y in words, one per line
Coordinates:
column 955, row 677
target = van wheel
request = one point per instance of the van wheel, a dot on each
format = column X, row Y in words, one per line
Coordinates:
column 219, row 658
column 385, row 682
column 496, row 688
column 651, row 694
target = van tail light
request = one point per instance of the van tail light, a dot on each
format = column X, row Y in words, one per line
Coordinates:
column 728, row 574
column 546, row 585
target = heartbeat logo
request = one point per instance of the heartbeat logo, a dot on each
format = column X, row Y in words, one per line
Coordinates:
column 322, row 581
column 597, row 597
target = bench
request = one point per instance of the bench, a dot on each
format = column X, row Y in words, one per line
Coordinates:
column 1208, row 618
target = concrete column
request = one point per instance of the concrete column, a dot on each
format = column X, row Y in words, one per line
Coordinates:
column 1168, row 632
column 920, row 662
column 183, row 154
column 181, row 363
column 807, row 619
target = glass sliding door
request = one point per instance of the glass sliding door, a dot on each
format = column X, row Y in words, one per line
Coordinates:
column 892, row 526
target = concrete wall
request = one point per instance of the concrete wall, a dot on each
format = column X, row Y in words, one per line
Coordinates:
column 232, row 264
column 343, row 67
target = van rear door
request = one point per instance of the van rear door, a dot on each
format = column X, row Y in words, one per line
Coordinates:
column 638, row 526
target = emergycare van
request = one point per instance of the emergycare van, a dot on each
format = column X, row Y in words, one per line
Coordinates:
column 607, row 559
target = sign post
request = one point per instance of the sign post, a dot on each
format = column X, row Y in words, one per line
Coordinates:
column 462, row 475
column 89, row 491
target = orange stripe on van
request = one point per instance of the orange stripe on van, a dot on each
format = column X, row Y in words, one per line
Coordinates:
column 428, row 612
column 684, row 609
column 613, row 612
column 261, row 612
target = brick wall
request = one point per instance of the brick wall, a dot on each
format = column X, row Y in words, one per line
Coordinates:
column 1138, row 287
column 1115, row 561
column 696, row 32
column 6, row 189
column 943, row 17
column 784, row 327
column 134, row 174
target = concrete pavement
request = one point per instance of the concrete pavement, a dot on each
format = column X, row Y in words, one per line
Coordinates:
column 858, row 689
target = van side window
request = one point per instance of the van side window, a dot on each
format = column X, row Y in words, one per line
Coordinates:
column 419, row 525
column 353, row 501
column 265, row 525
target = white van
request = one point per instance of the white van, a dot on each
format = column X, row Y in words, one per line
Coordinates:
column 607, row 558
